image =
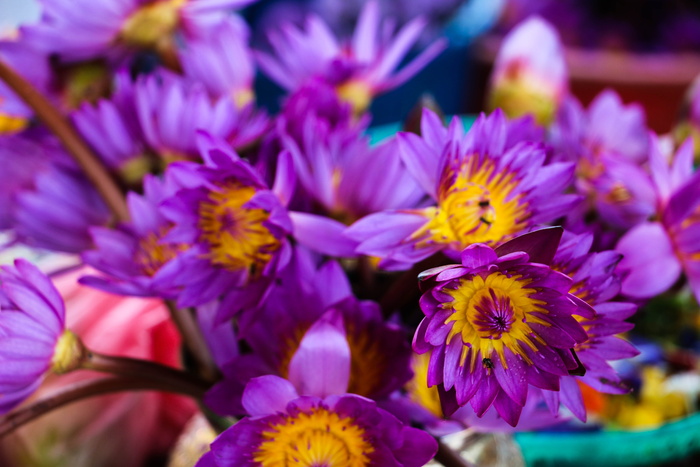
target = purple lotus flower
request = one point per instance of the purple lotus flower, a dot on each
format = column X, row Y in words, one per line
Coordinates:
column 133, row 254
column 171, row 109
column 596, row 283
column 488, row 187
column 609, row 142
column 345, row 177
column 529, row 74
column 111, row 127
column 648, row 271
column 234, row 227
column 22, row 158
column 284, row 428
column 311, row 321
column 32, row 321
column 84, row 29
column 58, row 210
column 498, row 323
column 223, row 62
column 359, row 69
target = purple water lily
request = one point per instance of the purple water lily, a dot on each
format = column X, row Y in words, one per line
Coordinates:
column 359, row 69
column 498, row 323
column 133, row 255
column 675, row 236
column 488, row 186
column 312, row 327
column 32, row 321
column 284, row 428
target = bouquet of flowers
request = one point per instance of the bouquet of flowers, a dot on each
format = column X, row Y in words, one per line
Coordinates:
column 320, row 298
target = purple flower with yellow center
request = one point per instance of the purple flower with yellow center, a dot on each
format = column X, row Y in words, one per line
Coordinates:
column 338, row 430
column 609, row 141
column 488, row 186
column 675, row 236
column 32, row 336
column 111, row 127
column 359, row 69
column 133, row 255
column 222, row 61
column 530, row 74
column 346, row 177
column 84, row 29
column 234, row 228
column 498, row 323
column 312, row 325
column 171, row 109
column 596, row 283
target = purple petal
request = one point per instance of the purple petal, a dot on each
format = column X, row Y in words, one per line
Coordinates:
column 267, row 395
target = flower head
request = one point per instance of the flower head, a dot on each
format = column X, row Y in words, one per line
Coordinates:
column 233, row 229
column 499, row 322
column 488, row 186
column 133, row 254
column 530, row 75
column 359, row 69
column 314, row 332
column 32, row 322
column 338, row 430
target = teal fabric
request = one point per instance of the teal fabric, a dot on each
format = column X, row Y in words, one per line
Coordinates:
column 380, row 133
column 667, row 444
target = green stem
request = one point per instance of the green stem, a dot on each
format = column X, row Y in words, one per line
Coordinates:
column 70, row 139
column 85, row 389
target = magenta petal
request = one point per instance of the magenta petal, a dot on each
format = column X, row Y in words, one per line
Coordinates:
column 571, row 397
column 322, row 235
column 507, row 408
column 513, row 380
column 321, row 365
column 478, row 255
column 649, row 262
column 541, row 245
column 267, row 395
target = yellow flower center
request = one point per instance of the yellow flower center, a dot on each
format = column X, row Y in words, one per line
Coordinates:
column 10, row 124
column 418, row 390
column 317, row 438
column 237, row 236
column 478, row 207
column 152, row 23
column 357, row 94
column 68, row 353
column 493, row 314
column 521, row 92
column 151, row 255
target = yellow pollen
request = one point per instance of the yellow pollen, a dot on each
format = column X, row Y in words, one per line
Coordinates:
column 493, row 314
column 357, row 93
column 619, row 194
column 151, row 255
column 236, row 235
column 10, row 124
column 478, row 207
column 152, row 23
column 520, row 92
column 418, row 389
column 242, row 97
column 68, row 353
column 316, row 438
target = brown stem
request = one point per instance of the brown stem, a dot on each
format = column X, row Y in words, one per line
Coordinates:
column 449, row 458
column 145, row 370
column 85, row 389
column 194, row 340
column 75, row 146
